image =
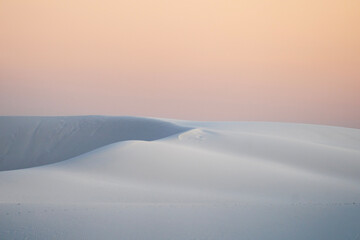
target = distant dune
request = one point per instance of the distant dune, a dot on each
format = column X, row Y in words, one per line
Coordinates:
column 35, row 141
column 103, row 177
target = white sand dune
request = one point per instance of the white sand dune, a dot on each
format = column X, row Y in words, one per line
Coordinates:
column 35, row 141
column 97, row 177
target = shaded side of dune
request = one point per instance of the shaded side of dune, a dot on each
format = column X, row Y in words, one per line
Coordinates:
column 34, row 141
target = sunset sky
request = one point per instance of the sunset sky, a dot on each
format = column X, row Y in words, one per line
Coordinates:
column 238, row 60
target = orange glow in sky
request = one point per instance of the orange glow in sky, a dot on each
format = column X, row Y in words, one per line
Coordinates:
column 239, row 60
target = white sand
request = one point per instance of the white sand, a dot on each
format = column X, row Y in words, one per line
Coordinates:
column 136, row 178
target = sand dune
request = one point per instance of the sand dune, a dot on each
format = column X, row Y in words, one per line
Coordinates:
column 259, row 179
column 35, row 141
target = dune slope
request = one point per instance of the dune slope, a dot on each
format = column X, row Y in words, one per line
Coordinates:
column 35, row 141
column 144, row 178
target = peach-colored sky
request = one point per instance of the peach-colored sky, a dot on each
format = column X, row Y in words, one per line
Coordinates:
column 246, row 60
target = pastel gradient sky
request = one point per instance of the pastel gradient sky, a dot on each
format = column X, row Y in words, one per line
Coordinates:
column 238, row 60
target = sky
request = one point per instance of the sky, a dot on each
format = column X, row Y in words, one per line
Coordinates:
column 213, row 60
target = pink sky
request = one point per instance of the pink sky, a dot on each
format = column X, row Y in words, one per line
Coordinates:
column 262, row 60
